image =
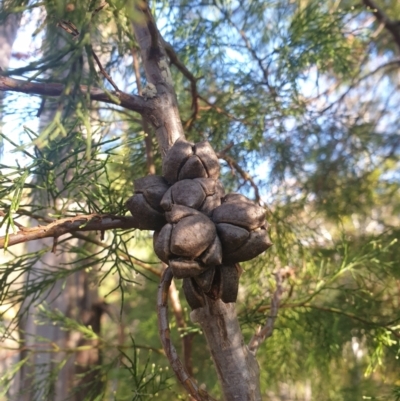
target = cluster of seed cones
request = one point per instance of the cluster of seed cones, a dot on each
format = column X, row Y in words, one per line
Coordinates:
column 200, row 232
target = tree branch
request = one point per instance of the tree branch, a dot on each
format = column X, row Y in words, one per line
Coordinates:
column 165, row 335
column 90, row 222
column 187, row 339
column 234, row 164
column 236, row 367
column 353, row 84
column 266, row 331
column 392, row 26
column 130, row 102
column 165, row 117
column 70, row 28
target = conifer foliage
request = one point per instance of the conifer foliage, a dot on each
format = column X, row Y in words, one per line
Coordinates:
column 177, row 129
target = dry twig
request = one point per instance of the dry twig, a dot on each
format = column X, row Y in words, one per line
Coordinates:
column 187, row 339
column 70, row 28
column 235, row 165
column 173, row 57
column 165, row 335
column 266, row 331
column 90, row 222
column 130, row 102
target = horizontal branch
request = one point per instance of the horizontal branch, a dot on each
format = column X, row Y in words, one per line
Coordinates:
column 130, row 102
column 90, row 222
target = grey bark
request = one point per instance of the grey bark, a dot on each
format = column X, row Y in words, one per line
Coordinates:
column 236, row 366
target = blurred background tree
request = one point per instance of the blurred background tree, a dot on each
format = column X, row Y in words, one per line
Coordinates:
column 300, row 99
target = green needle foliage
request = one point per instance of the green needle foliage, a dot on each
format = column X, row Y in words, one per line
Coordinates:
column 300, row 99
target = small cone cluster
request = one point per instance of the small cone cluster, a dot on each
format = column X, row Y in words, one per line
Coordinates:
column 200, row 232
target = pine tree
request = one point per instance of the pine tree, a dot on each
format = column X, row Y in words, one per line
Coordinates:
column 299, row 101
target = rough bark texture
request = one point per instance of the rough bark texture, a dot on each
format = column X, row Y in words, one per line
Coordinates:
column 236, row 366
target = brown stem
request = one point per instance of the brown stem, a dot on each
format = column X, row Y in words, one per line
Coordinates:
column 173, row 57
column 130, row 102
column 233, row 163
column 236, row 366
column 266, row 331
column 165, row 335
column 90, row 222
column 187, row 339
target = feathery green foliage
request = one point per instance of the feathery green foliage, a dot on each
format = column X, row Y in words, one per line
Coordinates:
column 303, row 96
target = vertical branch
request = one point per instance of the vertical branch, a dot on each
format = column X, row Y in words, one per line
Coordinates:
column 266, row 331
column 237, row 368
column 187, row 339
column 165, row 335
column 165, row 114
column 151, row 168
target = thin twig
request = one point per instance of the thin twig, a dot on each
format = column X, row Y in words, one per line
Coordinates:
column 165, row 335
column 99, row 8
column 130, row 102
column 234, row 164
column 337, row 311
column 251, row 50
column 266, row 331
column 353, row 84
column 104, row 72
column 222, row 111
column 70, row 28
column 20, row 226
column 174, row 59
column 90, row 222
